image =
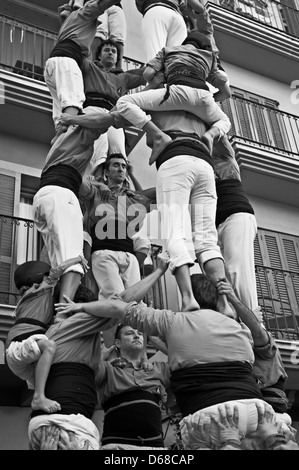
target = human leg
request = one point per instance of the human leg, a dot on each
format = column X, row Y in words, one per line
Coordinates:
column 21, row 357
column 236, row 240
column 105, row 267
column 59, row 219
column 65, row 82
column 117, row 30
column 161, row 26
column 203, row 210
column 174, row 185
column 40, row 401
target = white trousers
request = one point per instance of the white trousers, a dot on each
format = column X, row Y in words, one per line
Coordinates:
column 160, row 27
column 236, row 240
column 65, row 82
column 114, row 271
column 196, row 101
column 21, row 358
column 248, row 419
column 113, row 25
column 186, row 196
column 83, row 428
column 58, row 217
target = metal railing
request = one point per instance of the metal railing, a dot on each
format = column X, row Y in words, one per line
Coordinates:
column 272, row 13
column 24, row 48
column 19, row 242
column 278, row 289
column 278, row 296
column 263, row 124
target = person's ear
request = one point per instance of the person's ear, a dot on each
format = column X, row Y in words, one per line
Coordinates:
column 117, row 343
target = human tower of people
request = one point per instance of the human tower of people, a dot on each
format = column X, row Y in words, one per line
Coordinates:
column 222, row 369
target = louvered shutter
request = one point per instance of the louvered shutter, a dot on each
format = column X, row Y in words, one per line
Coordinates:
column 290, row 16
column 275, row 122
column 226, row 107
column 260, row 126
column 242, row 115
column 278, row 280
column 8, row 187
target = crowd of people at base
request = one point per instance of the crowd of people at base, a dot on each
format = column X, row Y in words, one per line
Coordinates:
column 223, row 369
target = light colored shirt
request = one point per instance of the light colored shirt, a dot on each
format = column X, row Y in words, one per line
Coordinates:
column 112, row 380
column 192, row 338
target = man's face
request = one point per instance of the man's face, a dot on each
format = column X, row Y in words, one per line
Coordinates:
column 108, row 56
column 130, row 340
column 117, row 171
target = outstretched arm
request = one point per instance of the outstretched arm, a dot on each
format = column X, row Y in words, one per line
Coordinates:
column 92, row 121
column 115, row 308
column 139, row 290
column 259, row 334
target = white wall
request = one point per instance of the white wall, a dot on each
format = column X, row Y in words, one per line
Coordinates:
column 263, row 86
column 278, row 217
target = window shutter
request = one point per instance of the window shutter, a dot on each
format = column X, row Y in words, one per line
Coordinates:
column 260, row 126
column 278, row 280
column 243, row 119
column 7, row 229
column 275, row 125
column 290, row 16
column 226, row 107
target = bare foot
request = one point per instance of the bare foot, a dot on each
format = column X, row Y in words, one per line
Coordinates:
column 208, row 140
column 43, row 403
column 159, row 145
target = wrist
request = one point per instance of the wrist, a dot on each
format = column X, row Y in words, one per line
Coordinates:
column 274, row 439
column 231, row 442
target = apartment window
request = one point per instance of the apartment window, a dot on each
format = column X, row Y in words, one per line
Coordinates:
column 19, row 240
column 277, row 274
column 256, row 118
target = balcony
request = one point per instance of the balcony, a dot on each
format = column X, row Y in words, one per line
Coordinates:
column 276, row 15
column 266, row 143
column 257, row 35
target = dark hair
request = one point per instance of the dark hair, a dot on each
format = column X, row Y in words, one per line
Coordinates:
column 119, row 327
column 113, row 155
column 108, row 42
column 198, row 39
column 83, row 294
column 205, row 292
column 30, row 272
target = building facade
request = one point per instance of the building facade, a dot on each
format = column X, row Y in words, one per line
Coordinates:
column 259, row 49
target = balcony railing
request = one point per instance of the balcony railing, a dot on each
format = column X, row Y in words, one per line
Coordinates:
column 263, row 125
column 278, row 290
column 278, row 295
column 19, row 242
column 24, row 48
column 271, row 13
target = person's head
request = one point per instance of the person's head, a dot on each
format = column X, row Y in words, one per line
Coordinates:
column 64, row 12
column 83, row 294
column 108, row 53
column 205, row 292
column 115, row 168
column 199, row 40
column 128, row 340
column 29, row 273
